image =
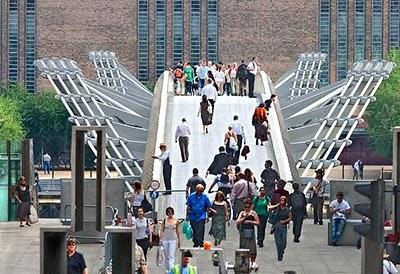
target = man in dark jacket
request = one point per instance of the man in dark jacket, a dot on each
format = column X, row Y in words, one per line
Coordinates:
column 220, row 161
column 193, row 182
column 297, row 204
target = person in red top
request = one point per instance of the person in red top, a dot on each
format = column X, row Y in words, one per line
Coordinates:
column 260, row 123
column 280, row 191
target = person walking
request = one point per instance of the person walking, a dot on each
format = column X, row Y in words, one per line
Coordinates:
column 205, row 112
column 189, row 77
column 269, row 102
column 182, row 134
column 169, row 238
column 356, row 170
column 178, row 75
column 143, row 231
column 282, row 217
column 220, row 79
column 223, row 181
column 136, row 197
column 279, row 192
column 247, row 221
column 361, row 169
column 252, row 67
column 193, row 182
column 297, row 204
column 46, row 163
column 230, row 141
column 260, row 123
column 241, row 190
column 318, row 186
column 75, row 261
column 228, row 80
column 202, row 74
column 260, row 204
column 23, row 197
column 241, row 76
column 238, row 129
column 198, row 205
column 269, row 177
column 167, row 167
column 339, row 209
column 220, row 161
column 219, row 214
column 211, row 93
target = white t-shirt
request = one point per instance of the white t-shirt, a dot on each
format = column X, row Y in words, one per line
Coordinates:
column 210, row 92
column 219, row 76
column 252, row 67
column 389, row 267
column 343, row 206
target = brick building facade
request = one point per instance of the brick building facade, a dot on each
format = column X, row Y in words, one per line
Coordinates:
column 149, row 36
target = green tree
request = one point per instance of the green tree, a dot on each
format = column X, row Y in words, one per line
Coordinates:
column 11, row 127
column 384, row 113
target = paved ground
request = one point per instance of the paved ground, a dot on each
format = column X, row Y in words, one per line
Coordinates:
column 20, row 252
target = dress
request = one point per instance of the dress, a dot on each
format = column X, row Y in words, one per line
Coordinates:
column 206, row 117
column 23, row 210
column 245, row 242
column 218, row 223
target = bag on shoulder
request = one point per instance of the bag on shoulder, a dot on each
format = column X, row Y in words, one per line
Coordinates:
column 146, row 205
column 242, row 73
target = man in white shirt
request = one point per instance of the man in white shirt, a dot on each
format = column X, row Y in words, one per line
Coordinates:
column 252, row 67
column 182, row 134
column 167, row 167
column 211, row 92
column 46, row 163
column 339, row 208
column 238, row 129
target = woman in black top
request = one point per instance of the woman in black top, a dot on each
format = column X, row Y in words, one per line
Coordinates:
column 23, row 197
column 282, row 217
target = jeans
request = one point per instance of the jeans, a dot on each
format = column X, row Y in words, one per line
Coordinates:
column 198, row 232
column 261, row 228
column 188, row 88
column 228, row 88
column 297, row 218
column 318, row 203
column 337, row 229
column 169, row 253
column 46, row 167
column 280, row 235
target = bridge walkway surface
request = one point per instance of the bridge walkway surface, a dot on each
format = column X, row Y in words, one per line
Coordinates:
column 203, row 147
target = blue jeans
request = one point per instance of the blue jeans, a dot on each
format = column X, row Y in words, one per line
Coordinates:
column 280, row 235
column 337, row 228
column 46, row 167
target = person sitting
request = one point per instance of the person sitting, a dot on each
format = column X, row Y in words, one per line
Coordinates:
column 185, row 267
column 339, row 208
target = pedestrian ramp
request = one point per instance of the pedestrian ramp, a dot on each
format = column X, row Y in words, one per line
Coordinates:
column 203, row 147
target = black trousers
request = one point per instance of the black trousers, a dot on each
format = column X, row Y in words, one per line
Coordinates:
column 167, row 170
column 184, row 147
column 198, row 232
column 251, row 78
column 239, row 143
column 318, row 204
column 298, row 217
column 144, row 244
column 261, row 228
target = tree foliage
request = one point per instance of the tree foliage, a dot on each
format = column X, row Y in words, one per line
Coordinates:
column 11, row 127
column 43, row 117
column 384, row 113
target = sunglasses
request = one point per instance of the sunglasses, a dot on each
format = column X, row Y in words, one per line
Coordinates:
column 170, row 211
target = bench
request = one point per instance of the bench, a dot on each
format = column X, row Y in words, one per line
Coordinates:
column 349, row 236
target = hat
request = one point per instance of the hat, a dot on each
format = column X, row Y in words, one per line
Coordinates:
column 187, row 254
column 72, row 240
column 163, row 145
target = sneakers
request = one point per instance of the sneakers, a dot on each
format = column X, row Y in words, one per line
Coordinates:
column 254, row 266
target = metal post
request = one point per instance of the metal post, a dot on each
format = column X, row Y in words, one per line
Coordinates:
column 371, row 256
column 8, row 152
column 100, row 179
column 396, row 178
column 77, row 172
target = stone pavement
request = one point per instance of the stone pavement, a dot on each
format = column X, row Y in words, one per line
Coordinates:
column 21, row 247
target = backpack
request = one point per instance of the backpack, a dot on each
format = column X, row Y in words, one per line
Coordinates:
column 242, row 73
column 297, row 200
column 178, row 73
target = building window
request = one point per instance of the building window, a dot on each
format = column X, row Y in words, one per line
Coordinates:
column 160, row 37
column 30, row 44
column 341, row 39
column 143, row 40
column 13, row 40
column 177, row 32
column 394, row 23
column 359, row 30
column 324, row 37
column 212, row 30
column 195, row 28
column 376, row 29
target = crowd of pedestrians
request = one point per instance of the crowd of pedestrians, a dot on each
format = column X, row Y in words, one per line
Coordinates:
column 229, row 79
